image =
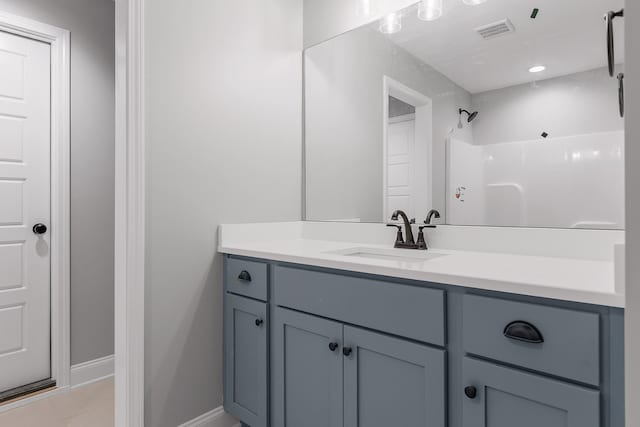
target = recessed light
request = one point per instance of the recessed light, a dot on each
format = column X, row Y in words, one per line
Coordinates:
column 430, row 10
column 391, row 24
column 537, row 69
column 473, row 2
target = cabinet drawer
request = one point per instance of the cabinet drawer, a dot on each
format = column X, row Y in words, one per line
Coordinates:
column 247, row 278
column 507, row 331
column 408, row 311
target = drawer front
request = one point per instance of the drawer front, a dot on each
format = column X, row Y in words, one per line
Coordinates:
column 408, row 311
column 506, row 331
column 248, row 278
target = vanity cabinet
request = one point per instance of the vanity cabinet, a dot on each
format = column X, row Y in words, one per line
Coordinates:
column 497, row 396
column 313, row 347
column 329, row 374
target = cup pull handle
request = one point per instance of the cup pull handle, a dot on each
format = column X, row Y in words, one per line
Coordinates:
column 244, row 276
column 523, row 331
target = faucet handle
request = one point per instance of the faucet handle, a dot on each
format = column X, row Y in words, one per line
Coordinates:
column 399, row 238
column 412, row 221
column 422, row 243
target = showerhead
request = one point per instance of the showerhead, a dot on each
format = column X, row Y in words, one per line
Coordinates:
column 471, row 116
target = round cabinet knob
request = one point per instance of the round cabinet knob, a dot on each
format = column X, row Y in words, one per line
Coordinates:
column 347, row 351
column 471, row 392
column 259, row 322
column 39, row 229
column 333, row 346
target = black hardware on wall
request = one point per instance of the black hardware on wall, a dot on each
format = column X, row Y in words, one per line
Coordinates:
column 621, row 93
column 611, row 56
column 333, row 346
column 259, row 322
column 347, row 351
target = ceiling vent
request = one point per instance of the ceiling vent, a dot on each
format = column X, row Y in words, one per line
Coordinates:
column 496, row 29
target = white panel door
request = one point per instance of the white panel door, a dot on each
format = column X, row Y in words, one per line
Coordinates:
column 25, row 88
column 400, row 154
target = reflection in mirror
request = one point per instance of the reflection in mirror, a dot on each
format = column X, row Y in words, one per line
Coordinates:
column 496, row 113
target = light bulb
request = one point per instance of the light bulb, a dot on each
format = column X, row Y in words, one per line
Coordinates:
column 364, row 8
column 473, row 2
column 391, row 24
column 430, row 10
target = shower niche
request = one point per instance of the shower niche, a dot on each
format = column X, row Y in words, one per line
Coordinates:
column 499, row 113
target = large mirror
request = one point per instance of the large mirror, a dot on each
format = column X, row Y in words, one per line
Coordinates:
column 493, row 112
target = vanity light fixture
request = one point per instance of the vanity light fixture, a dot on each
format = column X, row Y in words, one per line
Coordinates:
column 537, row 69
column 430, row 10
column 391, row 24
column 473, row 2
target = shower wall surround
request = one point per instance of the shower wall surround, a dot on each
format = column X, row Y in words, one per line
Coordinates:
column 513, row 182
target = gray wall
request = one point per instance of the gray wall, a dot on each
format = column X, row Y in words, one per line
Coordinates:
column 575, row 104
column 632, row 313
column 224, row 90
column 91, row 23
column 344, row 122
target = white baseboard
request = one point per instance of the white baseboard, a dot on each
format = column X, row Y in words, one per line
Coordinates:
column 92, row 371
column 214, row 418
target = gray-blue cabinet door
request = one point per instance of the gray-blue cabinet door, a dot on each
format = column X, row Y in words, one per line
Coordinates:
column 306, row 371
column 392, row 382
column 246, row 361
column 495, row 396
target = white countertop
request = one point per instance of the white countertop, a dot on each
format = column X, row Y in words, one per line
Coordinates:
column 558, row 277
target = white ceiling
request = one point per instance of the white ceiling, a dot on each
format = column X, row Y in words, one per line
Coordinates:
column 568, row 36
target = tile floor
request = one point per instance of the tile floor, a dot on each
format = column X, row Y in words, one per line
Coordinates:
column 87, row 406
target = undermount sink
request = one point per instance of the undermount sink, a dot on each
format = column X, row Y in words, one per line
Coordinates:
column 402, row 255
